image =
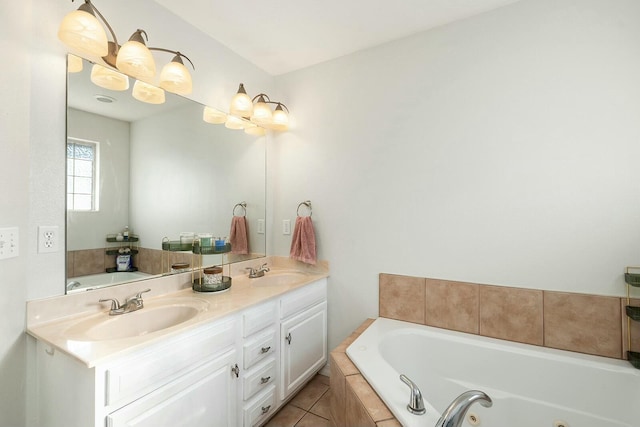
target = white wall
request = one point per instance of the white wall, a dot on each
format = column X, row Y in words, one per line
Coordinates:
column 501, row 150
column 87, row 230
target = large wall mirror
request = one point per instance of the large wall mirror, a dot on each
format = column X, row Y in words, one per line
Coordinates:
column 153, row 172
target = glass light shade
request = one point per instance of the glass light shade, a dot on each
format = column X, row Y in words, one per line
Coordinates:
column 74, row 64
column 241, row 104
column 147, row 93
column 234, row 122
column 255, row 130
column 82, row 32
column 280, row 120
column 175, row 78
column 262, row 114
column 211, row 115
column 108, row 78
column 136, row 60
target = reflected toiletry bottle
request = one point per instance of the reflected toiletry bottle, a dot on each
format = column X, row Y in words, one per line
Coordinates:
column 125, row 233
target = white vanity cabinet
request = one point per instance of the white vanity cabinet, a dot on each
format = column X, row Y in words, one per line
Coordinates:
column 303, row 336
column 184, row 380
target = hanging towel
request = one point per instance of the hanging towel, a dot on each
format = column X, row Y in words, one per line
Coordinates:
column 303, row 244
column 238, row 235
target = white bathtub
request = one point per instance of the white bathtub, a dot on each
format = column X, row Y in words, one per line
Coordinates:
column 105, row 279
column 530, row 386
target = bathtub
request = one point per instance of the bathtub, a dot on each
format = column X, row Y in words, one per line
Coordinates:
column 93, row 281
column 530, row 386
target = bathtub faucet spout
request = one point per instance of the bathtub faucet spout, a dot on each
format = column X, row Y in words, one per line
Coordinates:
column 454, row 415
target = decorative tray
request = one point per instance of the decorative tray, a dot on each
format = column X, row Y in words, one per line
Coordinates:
column 200, row 286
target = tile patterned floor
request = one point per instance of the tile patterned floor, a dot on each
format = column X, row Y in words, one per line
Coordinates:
column 309, row 408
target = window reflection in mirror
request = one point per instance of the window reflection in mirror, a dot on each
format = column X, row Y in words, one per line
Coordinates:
column 160, row 170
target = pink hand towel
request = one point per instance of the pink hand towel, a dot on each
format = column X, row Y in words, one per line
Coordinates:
column 238, row 235
column 303, row 244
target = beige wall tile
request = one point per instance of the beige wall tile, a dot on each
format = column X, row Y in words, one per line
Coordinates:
column 343, row 363
column 583, row 323
column 70, row 256
column 355, row 412
column 402, row 297
column 512, row 314
column 149, row 261
column 452, row 305
column 376, row 409
column 90, row 261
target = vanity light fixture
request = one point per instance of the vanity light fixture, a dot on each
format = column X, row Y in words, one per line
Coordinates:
column 108, row 78
column 82, row 31
column 234, row 122
column 255, row 130
column 147, row 93
column 259, row 113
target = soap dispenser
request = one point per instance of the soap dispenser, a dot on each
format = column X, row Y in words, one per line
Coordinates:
column 125, row 233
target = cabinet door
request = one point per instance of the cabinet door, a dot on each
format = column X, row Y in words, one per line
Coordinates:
column 205, row 397
column 304, row 347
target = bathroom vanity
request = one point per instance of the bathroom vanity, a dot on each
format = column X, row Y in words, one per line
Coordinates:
column 229, row 359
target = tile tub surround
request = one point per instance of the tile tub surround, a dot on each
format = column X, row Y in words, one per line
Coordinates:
column 590, row 324
column 352, row 400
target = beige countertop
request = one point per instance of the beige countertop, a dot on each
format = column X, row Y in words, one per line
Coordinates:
column 50, row 320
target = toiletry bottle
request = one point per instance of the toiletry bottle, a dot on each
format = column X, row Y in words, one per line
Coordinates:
column 125, row 233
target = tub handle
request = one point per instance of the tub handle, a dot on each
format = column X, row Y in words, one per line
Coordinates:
column 416, row 404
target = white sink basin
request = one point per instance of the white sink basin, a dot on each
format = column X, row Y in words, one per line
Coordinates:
column 278, row 279
column 155, row 316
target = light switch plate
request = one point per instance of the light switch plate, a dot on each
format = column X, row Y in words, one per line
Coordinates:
column 9, row 242
column 261, row 226
column 286, row 226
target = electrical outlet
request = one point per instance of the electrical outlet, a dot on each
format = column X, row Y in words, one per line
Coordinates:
column 9, row 247
column 261, row 226
column 48, row 238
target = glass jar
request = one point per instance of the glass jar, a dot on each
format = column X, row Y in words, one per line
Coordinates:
column 212, row 275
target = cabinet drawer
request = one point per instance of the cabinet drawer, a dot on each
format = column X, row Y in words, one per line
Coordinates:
column 303, row 298
column 260, row 408
column 261, row 378
column 259, row 348
column 151, row 368
column 258, row 318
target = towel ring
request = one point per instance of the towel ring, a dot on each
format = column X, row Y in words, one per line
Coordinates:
column 307, row 203
column 243, row 205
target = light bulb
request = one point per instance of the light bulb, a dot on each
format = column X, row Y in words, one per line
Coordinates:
column 147, row 93
column 108, row 78
column 262, row 114
column 241, row 104
column 175, row 77
column 135, row 59
column 81, row 31
column 280, row 120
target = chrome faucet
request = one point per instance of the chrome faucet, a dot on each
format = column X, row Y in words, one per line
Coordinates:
column 416, row 403
column 257, row 271
column 454, row 415
column 131, row 304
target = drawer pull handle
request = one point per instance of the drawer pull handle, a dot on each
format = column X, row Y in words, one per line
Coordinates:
column 288, row 338
column 235, row 370
column 265, row 409
column 264, row 380
column 265, row 349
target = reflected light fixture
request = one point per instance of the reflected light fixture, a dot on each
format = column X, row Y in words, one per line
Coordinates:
column 234, row 122
column 74, row 63
column 255, row 130
column 108, row 78
column 241, row 104
column 83, row 32
column 213, row 116
column 147, row 93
